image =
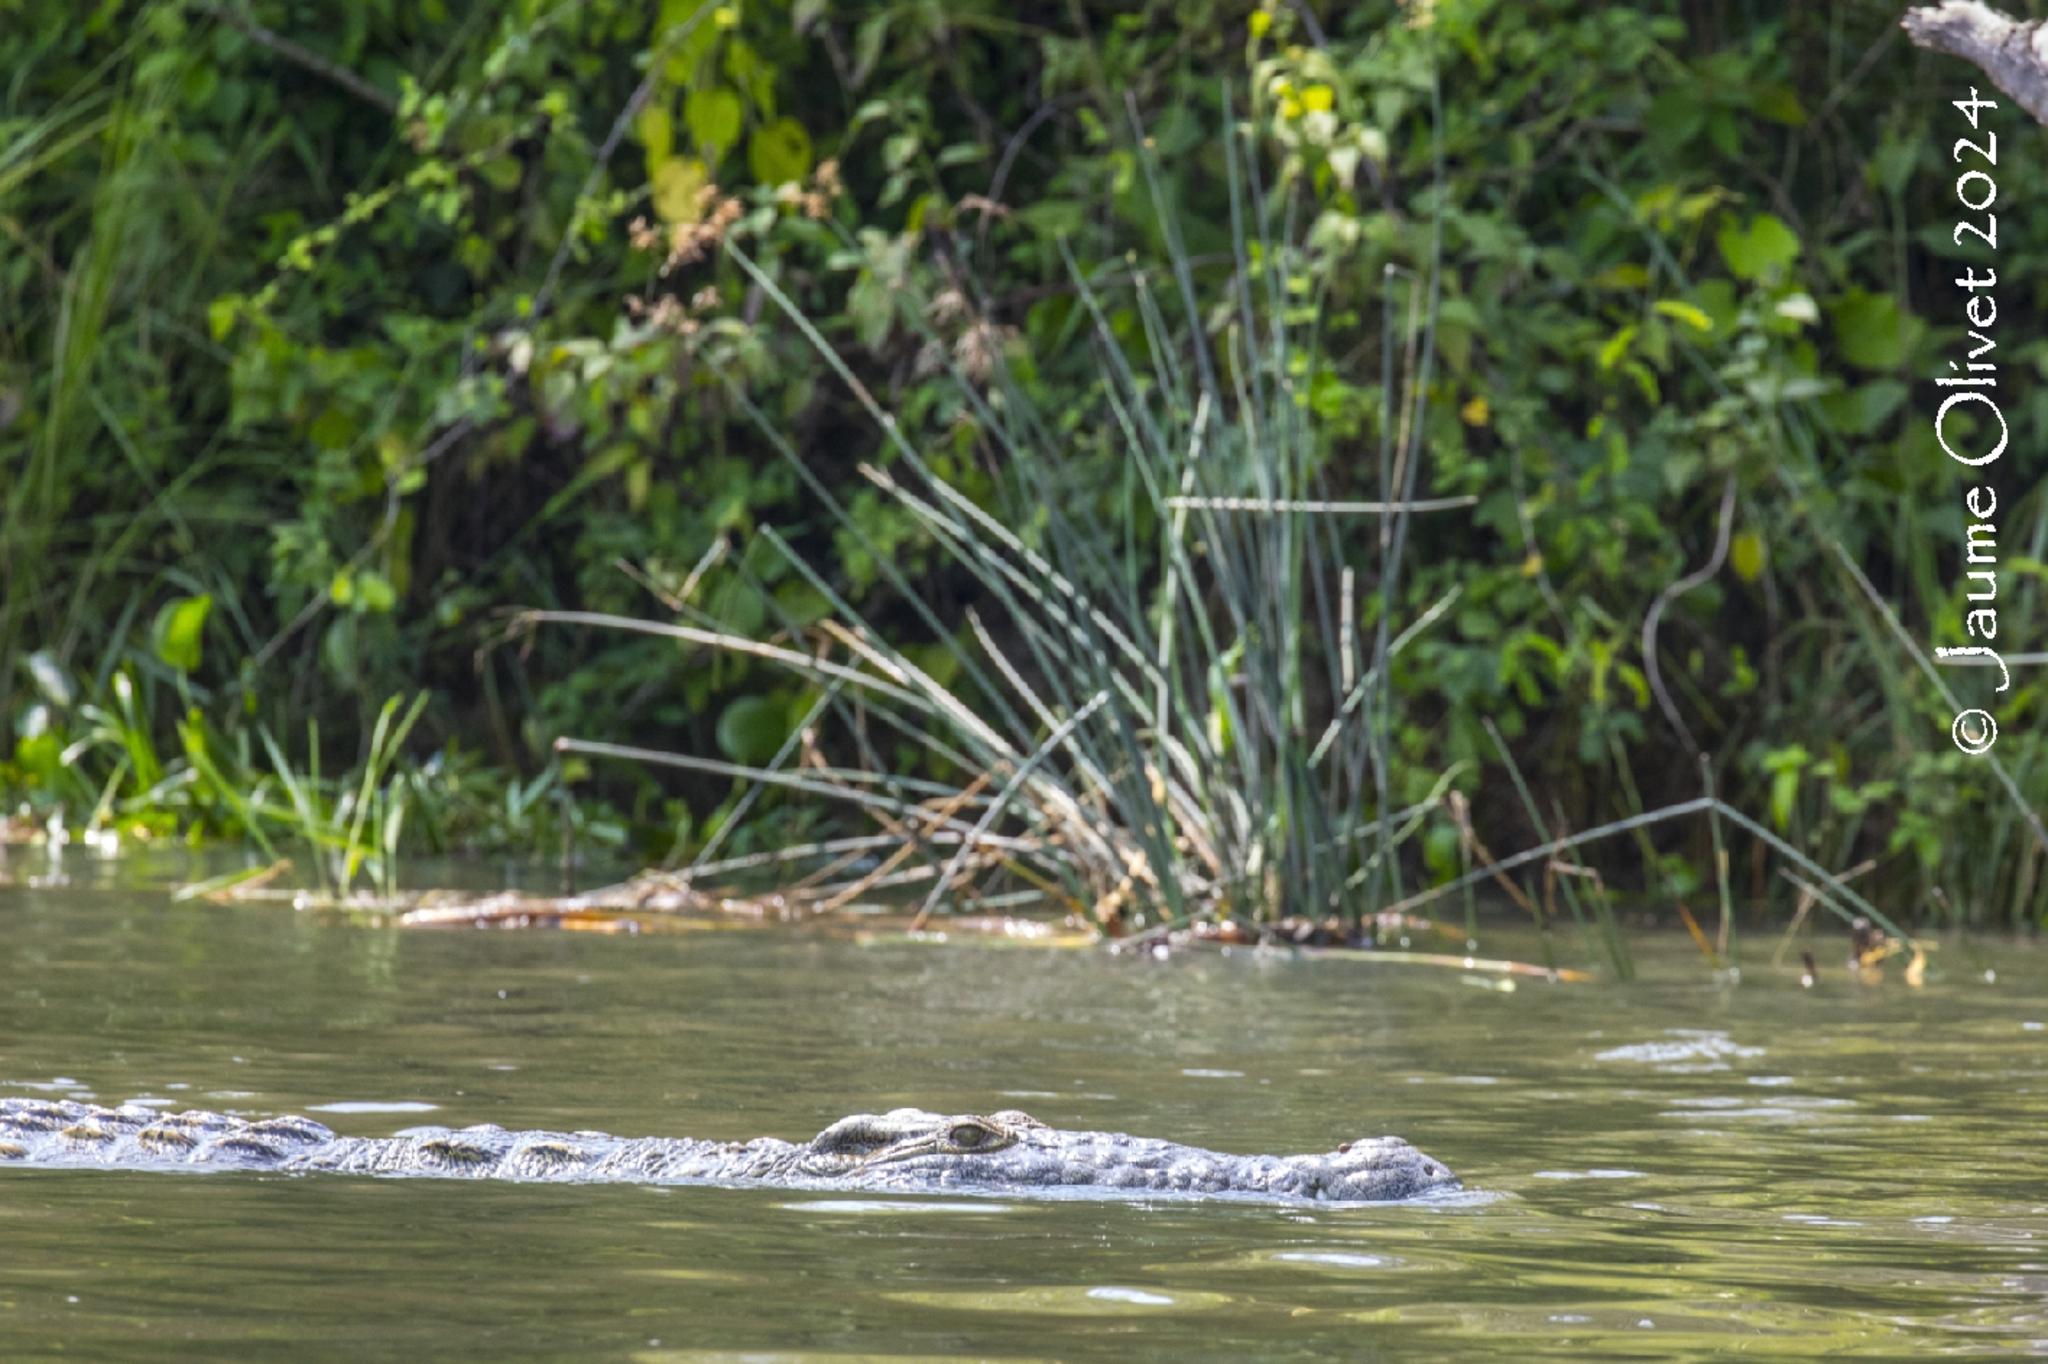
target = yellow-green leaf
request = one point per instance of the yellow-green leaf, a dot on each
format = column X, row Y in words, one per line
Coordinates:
column 657, row 130
column 1779, row 104
column 1627, row 275
column 1617, row 346
column 179, row 631
column 374, row 591
column 678, row 188
column 1746, row 555
column 779, row 152
column 333, row 429
column 1784, row 790
column 1685, row 312
column 713, row 115
column 221, row 315
column 1764, row 247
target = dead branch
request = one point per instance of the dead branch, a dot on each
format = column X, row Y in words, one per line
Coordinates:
column 2013, row 54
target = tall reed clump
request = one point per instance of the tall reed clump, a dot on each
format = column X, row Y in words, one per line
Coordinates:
column 1192, row 730
column 1177, row 705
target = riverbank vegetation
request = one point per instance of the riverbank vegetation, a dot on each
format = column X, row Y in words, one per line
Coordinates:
column 1258, row 462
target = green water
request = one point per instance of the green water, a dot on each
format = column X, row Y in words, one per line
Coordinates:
column 1675, row 1168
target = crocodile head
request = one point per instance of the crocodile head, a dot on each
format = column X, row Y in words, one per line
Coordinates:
column 911, row 1149
column 1369, row 1170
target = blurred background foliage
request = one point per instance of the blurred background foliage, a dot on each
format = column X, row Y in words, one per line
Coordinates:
column 330, row 334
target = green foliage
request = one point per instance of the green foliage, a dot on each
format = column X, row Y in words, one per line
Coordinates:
column 180, row 626
column 304, row 380
column 1761, row 250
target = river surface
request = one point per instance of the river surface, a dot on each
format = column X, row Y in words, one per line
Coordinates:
column 1678, row 1167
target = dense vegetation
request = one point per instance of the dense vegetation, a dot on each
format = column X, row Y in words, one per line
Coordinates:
column 332, row 337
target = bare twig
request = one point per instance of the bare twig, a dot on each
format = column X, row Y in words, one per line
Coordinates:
column 1461, row 816
column 1845, row 902
column 300, row 56
column 1013, row 147
column 1671, row 594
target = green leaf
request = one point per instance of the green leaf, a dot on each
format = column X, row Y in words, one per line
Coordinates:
column 1784, row 790
column 221, row 315
column 804, row 605
column 1626, row 275
column 737, row 605
column 1891, row 165
column 657, row 131
column 1760, row 250
column 502, row 173
column 779, row 152
column 691, row 47
column 179, row 631
column 1785, row 765
column 1860, row 411
column 745, row 68
column 870, row 306
column 333, row 429
column 751, row 729
column 374, row 591
column 713, row 116
column 678, row 189
column 1440, row 851
column 1871, row 329
column 1717, row 300
column 1746, row 555
column 1053, row 217
column 1674, row 117
column 1685, row 312
column 1616, row 346
column 1779, row 104
column 867, row 47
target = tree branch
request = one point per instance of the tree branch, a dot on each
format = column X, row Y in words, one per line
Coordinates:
column 2014, row 55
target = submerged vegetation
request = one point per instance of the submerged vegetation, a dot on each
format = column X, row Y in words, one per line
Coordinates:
column 1215, row 463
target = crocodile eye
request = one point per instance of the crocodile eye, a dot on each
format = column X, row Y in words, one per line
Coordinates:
column 967, row 1136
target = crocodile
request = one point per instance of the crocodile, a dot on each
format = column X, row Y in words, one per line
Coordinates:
column 905, row 1150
